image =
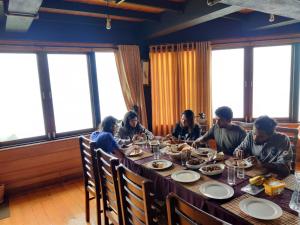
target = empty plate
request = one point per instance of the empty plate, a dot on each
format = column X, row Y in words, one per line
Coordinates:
column 185, row 176
column 159, row 164
column 216, row 190
column 260, row 208
column 135, row 153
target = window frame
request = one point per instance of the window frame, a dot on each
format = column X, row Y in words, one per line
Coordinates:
column 46, row 93
column 248, row 80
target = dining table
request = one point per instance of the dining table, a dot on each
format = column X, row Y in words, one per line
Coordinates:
column 227, row 210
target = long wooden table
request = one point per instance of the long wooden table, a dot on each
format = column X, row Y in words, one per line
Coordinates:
column 163, row 185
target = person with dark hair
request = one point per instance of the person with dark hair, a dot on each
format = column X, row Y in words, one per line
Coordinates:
column 227, row 135
column 132, row 129
column 187, row 129
column 270, row 150
column 104, row 137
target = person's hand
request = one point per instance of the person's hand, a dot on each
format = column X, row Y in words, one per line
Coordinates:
column 196, row 143
column 135, row 137
column 254, row 160
column 169, row 136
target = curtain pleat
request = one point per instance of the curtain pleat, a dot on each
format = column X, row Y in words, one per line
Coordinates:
column 130, row 74
column 180, row 79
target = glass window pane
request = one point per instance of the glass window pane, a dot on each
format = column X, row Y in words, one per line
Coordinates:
column 271, row 81
column 228, row 80
column 70, row 92
column 110, row 92
column 21, row 104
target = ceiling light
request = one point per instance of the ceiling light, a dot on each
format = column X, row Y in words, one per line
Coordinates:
column 108, row 23
column 272, row 18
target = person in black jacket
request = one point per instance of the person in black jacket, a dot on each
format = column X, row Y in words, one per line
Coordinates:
column 187, row 129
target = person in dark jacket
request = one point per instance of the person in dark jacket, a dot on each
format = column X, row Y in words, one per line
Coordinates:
column 270, row 150
column 187, row 129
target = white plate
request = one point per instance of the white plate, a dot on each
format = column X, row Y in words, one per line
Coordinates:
column 185, row 176
column 135, row 153
column 215, row 172
column 165, row 164
column 248, row 164
column 260, row 208
column 216, row 190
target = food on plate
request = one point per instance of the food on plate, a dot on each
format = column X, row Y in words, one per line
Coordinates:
column 183, row 146
column 211, row 168
column 195, row 161
column 220, row 156
column 258, row 180
column 157, row 165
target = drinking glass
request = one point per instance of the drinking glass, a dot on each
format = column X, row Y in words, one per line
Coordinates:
column 231, row 175
column 156, row 152
column 184, row 157
column 295, row 199
column 241, row 171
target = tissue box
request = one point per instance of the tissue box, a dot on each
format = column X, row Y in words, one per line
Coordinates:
column 274, row 187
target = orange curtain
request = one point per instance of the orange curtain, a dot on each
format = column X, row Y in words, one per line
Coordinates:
column 131, row 79
column 180, row 79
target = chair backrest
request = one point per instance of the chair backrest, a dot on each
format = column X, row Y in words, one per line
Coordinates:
column 182, row 213
column 246, row 126
column 109, row 185
column 89, row 164
column 292, row 133
column 136, row 198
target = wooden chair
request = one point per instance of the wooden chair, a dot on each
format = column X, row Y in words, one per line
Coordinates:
column 182, row 213
column 109, row 185
column 90, row 177
column 136, row 198
column 292, row 133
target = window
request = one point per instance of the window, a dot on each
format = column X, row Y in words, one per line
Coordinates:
column 271, row 81
column 228, row 80
column 110, row 92
column 70, row 92
column 21, row 104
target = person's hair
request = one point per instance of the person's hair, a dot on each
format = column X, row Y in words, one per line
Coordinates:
column 107, row 124
column 129, row 116
column 265, row 124
column 190, row 116
column 224, row 112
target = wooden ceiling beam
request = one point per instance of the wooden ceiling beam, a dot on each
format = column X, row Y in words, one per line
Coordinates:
column 276, row 25
column 286, row 8
column 20, row 14
column 166, row 5
column 196, row 12
column 94, row 9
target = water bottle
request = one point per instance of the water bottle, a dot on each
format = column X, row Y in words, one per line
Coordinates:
column 295, row 199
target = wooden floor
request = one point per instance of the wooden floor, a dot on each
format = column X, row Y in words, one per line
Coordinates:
column 61, row 204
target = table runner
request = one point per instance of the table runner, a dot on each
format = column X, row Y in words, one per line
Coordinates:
column 286, row 218
column 290, row 182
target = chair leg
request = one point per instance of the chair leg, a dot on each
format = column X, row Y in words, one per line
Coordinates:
column 87, row 207
column 98, row 211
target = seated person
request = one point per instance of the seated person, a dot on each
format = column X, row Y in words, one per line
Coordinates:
column 187, row 129
column 272, row 150
column 104, row 137
column 227, row 135
column 132, row 130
